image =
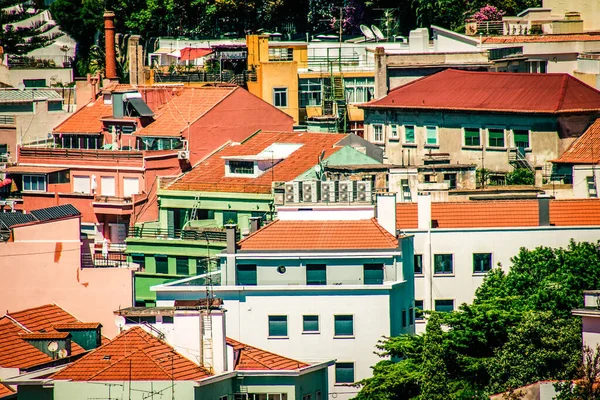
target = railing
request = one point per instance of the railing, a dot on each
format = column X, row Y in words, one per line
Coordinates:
column 62, row 153
column 589, row 56
column 7, row 120
column 209, row 235
column 112, row 199
column 517, row 158
column 18, row 61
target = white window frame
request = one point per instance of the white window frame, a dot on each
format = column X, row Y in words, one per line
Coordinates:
column 89, row 183
column 487, row 139
column 104, row 185
column 437, row 135
column 43, row 179
column 464, row 136
column 404, row 141
column 395, row 131
column 279, row 91
column 126, row 191
column 381, row 133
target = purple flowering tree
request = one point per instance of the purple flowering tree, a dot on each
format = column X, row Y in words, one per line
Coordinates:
column 488, row 13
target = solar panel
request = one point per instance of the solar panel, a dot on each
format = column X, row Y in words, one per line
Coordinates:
column 46, row 214
column 9, row 219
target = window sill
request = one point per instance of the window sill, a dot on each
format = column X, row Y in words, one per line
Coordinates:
column 432, row 146
column 311, row 333
column 378, row 142
column 343, row 337
column 419, row 276
column 278, row 337
column 393, row 139
column 348, row 384
column 477, row 148
column 494, row 148
column 480, row 274
column 438, row 275
column 420, row 321
column 409, row 145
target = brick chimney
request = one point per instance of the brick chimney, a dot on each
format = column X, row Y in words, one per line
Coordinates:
column 109, row 38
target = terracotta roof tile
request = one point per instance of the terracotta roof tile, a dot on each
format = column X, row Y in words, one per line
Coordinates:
column 44, row 335
column 186, row 106
column 584, row 150
column 76, row 326
column 209, row 175
column 499, row 214
column 16, row 352
column 320, row 235
column 5, row 391
column 576, row 37
column 493, row 91
column 43, row 317
column 134, row 354
column 248, row 358
column 86, row 119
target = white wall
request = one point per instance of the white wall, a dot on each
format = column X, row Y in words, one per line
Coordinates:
column 462, row 243
column 580, row 174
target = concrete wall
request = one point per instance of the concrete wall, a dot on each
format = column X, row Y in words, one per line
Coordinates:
column 44, row 262
column 140, row 390
column 590, row 330
column 589, row 10
column 15, row 76
column 580, row 185
column 462, row 243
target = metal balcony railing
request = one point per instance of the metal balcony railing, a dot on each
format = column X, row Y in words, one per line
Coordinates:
column 204, row 234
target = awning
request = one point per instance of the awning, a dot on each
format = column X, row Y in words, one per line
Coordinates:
column 141, row 107
column 190, row 53
column 313, row 111
column 356, row 114
column 26, row 169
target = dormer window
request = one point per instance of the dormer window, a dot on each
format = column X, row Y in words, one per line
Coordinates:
column 241, row 167
column 253, row 166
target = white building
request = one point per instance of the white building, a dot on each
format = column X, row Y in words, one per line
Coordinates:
column 320, row 283
column 456, row 243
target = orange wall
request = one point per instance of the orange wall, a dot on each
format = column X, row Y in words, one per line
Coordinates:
column 43, row 264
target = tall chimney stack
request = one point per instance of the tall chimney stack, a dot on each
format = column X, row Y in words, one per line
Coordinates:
column 109, row 39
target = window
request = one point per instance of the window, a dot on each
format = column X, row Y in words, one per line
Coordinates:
column 496, row 137
column 472, row 137
column 241, row 167
column 162, row 264
column 344, row 325
column 131, row 186
column 281, row 54
column 316, row 274
column 246, row 275
column 418, row 310
column 394, row 131
column 443, row 263
column 378, row 133
column 450, row 180
column 140, row 320
column 278, row 326
column 444, row 305
column 307, row 397
column 411, row 316
column 317, row 395
column 482, row 262
column 359, row 90
column 521, row 138
column 223, row 397
column 139, row 259
column 432, row 135
column 81, row 184
column 230, row 217
column 280, row 97
column 34, row 183
column 154, row 143
column 90, row 142
column 167, row 319
column 310, row 323
column 344, row 372
column 311, row 92
column 404, row 318
column 107, row 185
column 373, row 274
column 409, row 134
column 418, row 261
column 182, row 265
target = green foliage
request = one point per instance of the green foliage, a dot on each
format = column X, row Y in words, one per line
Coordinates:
column 518, row 330
column 587, row 387
column 520, row 176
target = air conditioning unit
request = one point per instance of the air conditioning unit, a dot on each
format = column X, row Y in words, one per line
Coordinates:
column 328, row 192
column 310, row 192
column 346, row 191
column 183, row 155
column 363, row 191
column 292, row 192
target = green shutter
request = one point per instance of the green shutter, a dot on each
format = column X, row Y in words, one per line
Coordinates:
column 431, row 135
column 472, row 137
column 182, row 266
column 404, row 318
column 373, row 274
column 409, row 134
column 444, row 305
column 316, row 274
column 139, row 259
column 162, row 264
column 344, row 373
column 246, row 275
column 310, row 323
column 278, row 325
column 344, row 325
column 496, row 137
column 521, row 138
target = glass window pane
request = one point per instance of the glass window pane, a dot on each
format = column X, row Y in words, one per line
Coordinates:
column 404, row 318
column 444, row 305
column 496, row 137
column 482, row 262
column 418, row 261
column 472, row 137
column 411, row 316
column 278, row 325
column 344, row 373
column 409, row 134
column 344, row 325
column 373, row 274
column 162, row 264
column 182, row 266
column 310, row 323
column 521, row 138
column 443, row 263
column 246, row 275
column 316, row 274
column 431, row 135
column 418, row 309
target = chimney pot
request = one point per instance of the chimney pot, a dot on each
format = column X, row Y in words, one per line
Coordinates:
column 255, row 223
column 109, row 40
column 231, row 235
column 544, row 210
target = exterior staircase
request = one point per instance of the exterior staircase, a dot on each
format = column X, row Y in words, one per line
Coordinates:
column 518, row 160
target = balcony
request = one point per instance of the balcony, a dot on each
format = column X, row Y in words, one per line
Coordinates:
column 194, row 234
column 113, row 205
column 85, row 157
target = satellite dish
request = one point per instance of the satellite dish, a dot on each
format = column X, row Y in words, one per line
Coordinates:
column 53, row 346
column 367, row 32
column 120, row 321
column 318, row 169
column 62, row 353
column 377, row 32
column 21, row 86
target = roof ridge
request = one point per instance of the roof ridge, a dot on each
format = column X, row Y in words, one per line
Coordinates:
column 262, row 229
column 247, row 346
column 563, row 93
column 389, row 237
column 110, row 365
column 18, row 323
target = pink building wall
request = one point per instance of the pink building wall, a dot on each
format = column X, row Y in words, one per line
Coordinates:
column 41, row 264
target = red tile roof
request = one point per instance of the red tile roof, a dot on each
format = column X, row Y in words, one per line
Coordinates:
column 575, row 37
column 86, row 119
column 494, row 92
column 502, row 214
column 15, row 328
column 320, row 235
column 209, row 175
column 185, row 107
column 248, row 358
column 133, row 355
column 584, row 150
column 5, row 391
column 74, row 326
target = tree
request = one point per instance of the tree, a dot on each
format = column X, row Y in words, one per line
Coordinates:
column 434, row 378
column 520, row 176
column 585, row 388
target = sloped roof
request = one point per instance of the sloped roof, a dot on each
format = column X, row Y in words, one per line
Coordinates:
column 10, row 219
column 571, row 37
column 493, row 92
column 186, row 106
column 501, row 214
column 133, row 355
column 5, row 391
column 364, row 234
column 585, row 149
column 32, row 323
column 87, row 119
column 19, row 96
column 249, row 358
column 209, row 175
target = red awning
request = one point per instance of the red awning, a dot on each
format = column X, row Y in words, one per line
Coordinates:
column 5, row 182
column 190, row 53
